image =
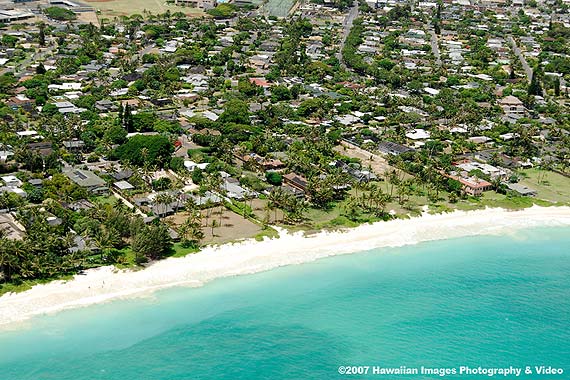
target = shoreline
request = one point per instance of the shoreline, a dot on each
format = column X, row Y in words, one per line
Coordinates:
column 108, row 283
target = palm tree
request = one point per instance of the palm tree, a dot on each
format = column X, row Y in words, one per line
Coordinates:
column 379, row 199
column 7, row 259
column 190, row 205
column 105, row 239
column 351, row 208
column 163, row 199
column 191, row 230
column 394, row 180
column 213, row 183
column 214, row 225
column 146, row 166
column 274, row 199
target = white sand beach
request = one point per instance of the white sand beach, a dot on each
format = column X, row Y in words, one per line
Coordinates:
column 108, row 283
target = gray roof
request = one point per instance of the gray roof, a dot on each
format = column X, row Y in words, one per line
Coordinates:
column 521, row 189
column 208, row 196
column 124, row 185
column 80, row 244
column 64, row 105
column 85, row 178
column 393, row 148
column 234, row 190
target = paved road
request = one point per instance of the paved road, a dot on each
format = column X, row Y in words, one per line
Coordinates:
column 347, row 25
column 518, row 53
column 435, row 48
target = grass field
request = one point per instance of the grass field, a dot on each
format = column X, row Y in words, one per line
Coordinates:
column 116, row 8
column 279, row 8
column 550, row 186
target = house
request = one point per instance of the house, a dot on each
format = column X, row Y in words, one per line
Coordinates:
column 68, row 107
column 9, row 15
column 511, row 105
column 479, row 139
column 392, row 148
column 207, row 197
column 11, row 181
column 105, row 105
column 12, row 228
column 54, row 221
column 233, row 189
column 14, row 190
column 161, row 210
column 259, row 82
column 418, row 134
column 487, row 169
column 82, row 204
column 28, row 133
column 357, row 174
column 522, row 190
column 36, row 182
column 123, row 174
column 74, row 145
column 123, row 185
column 5, row 155
column 299, row 194
column 65, row 86
column 472, row 185
column 81, row 244
column 202, row 4
column 88, row 180
column 141, row 201
column 296, row 181
column 21, row 101
column 43, row 148
column 174, row 236
column 264, row 163
column 191, row 165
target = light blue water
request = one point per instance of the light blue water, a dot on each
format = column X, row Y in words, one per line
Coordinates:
column 490, row 301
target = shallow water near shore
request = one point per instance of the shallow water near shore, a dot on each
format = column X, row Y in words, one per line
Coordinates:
column 492, row 301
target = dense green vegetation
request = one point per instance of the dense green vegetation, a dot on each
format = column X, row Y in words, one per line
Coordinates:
column 222, row 10
column 146, row 150
column 50, row 251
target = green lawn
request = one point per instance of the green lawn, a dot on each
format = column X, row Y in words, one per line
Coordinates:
column 268, row 232
column 551, row 186
column 109, row 199
column 27, row 285
column 180, row 251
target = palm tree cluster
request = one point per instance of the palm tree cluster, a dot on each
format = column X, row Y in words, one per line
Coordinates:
column 43, row 253
column 293, row 207
column 112, row 227
column 191, row 230
column 372, row 200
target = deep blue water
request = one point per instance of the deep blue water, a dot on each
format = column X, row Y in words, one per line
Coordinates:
column 479, row 301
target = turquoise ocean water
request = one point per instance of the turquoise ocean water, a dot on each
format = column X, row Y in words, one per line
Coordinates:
column 479, row 301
